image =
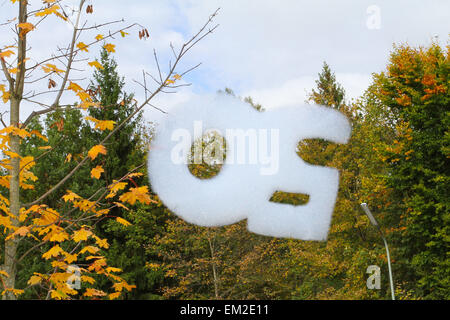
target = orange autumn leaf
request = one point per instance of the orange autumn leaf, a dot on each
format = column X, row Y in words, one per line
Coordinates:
column 96, row 172
column 90, row 292
column 25, row 27
column 90, row 249
column 82, row 46
column 123, row 221
column 114, row 295
column 96, row 64
column 81, row 235
column 95, row 150
column 53, row 252
column 48, row 67
column 140, row 194
column 110, row 47
column 120, row 205
column 70, row 196
column 22, row 231
column 53, row 9
column 74, row 87
column 6, row 54
column 35, row 279
column 59, row 237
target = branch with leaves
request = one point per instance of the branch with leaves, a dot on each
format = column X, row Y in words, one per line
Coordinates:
column 68, row 232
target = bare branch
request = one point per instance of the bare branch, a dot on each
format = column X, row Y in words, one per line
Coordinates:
column 185, row 48
column 157, row 64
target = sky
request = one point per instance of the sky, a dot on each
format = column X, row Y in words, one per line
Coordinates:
column 269, row 50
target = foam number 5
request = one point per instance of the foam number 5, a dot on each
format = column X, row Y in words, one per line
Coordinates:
column 242, row 189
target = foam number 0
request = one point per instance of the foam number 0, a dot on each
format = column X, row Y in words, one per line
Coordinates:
column 242, row 190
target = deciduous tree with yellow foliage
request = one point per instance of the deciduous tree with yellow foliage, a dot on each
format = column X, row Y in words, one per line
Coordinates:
column 71, row 236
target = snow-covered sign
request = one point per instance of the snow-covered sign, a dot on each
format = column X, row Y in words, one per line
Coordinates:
column 260, row 158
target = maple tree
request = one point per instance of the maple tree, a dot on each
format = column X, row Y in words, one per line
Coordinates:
column 66, row 231
column 414, row 89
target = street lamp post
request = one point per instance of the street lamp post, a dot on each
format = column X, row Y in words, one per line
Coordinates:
column 374, row 222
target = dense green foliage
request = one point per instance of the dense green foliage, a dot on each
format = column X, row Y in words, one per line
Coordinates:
column 415, row 89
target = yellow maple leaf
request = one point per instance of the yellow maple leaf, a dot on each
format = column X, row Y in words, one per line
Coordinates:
column 112, row 269
column 123, row 33
column 22, row 231
column 70, row 258
column 90, row 292
column 59, row 264
column 123, row 221
column 84, row 96
column 117, row 186
column 39, row 135
column 82, row 46
column 70, row 196
column 96, row 64
column 99, row 37
column 120, row 205
column 110, row 47
column 74, row 87
column 68, row 158
column 102, row 243
column 114, row 295
column 25, row 27
column 88, row 279
column 140, row 194
column 90, row 249
column 119, row 286
column 5, row 97
column 35, row 279
column 96, row 172
column 59, row 237
column 48, row 67
column 4, row 274
column 81, row 235
column 6, row 54
column 95, row 150
column 53, row 9
column 53, row 252
column 105, row 125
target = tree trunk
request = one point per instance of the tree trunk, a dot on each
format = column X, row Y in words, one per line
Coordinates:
column 16, row 90
column 14, row 192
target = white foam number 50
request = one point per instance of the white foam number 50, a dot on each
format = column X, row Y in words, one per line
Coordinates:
column 240, row 191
